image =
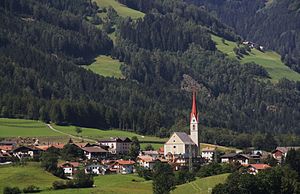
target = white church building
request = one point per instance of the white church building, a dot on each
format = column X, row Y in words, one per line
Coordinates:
column 181, row 144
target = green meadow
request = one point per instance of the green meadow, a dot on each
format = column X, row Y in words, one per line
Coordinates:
column 113, row 184
column 31, row 128
column 33, row 174
column 121, row 9
column 105, row 66
column 98, row 134
column 23, row 176
column 200, row 186
column 270, row 60
column 24, row 128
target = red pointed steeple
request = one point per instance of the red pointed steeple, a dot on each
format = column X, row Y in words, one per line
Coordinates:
column 194, row 107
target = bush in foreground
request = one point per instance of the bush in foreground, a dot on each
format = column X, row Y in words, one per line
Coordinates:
column 11, row 190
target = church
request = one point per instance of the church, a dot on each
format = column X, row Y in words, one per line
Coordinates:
column 181, row 144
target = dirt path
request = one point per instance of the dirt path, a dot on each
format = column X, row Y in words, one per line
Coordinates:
column 70, row 135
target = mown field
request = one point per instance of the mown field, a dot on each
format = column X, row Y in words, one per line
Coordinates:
column 32, row 174
column 121, row 9
column 105, row 66
column 24, row 128
column 23, row 176
column 200, row 186
column 31, row 128
column 270, row 60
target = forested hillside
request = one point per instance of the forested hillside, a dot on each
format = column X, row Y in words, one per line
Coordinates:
column 43, row 42
column 271, row 23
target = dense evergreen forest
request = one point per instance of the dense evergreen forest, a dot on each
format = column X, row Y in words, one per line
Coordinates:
column 43, row 42
column 273, row 24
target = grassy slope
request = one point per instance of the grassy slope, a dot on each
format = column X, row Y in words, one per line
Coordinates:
column 219, row 148
column 30, row 174
column 112, row 184
column 200, row 186
column 21, row 127
column 30, row 128
column 269, row 60
column 106, row 66
column 121, row 9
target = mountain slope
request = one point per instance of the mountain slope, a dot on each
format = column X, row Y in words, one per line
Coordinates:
column 270, row 60
column 273, row 24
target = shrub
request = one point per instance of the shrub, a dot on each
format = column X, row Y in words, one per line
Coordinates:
column 31, row 189
column 11, row 190
column 59, row 185
column 82, row 180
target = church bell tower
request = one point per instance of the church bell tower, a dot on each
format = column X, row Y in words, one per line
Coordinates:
column 194, row 122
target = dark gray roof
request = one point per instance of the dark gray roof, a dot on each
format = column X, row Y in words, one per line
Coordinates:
column 115, row 139
column 94, row 149
column 184, row 137
column 230, row 155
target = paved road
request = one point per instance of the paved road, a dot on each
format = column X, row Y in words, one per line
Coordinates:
column 70, row 135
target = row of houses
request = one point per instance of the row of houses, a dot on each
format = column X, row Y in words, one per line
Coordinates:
column 98, row 167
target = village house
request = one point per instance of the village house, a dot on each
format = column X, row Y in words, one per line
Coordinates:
column 123, row 166
column 239, row 158
column 26, row 152
column 69, row 168
column 46, row 147
column 82, row 145
column 5, row 158
column 146, row 161
column 8, row 143
column 153, row 153
column 280, row 152
column 117, row 145
column 95, row 168
column 6, row 148
column 95, row 152
column 255, row 168
column 208, row 154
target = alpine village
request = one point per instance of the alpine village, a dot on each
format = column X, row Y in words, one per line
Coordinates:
column 150, row 96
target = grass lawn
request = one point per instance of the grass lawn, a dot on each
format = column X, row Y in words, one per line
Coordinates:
column 200, row 186
column 121, row 9
column 220, row 148
column 113, row 184
column 269, row 60
column 98, row 134
column 32, row 174
column 24, row 128
column 23, row 176
column 106, row 66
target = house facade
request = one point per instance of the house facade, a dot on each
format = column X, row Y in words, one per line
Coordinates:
column 26, row 152
column 69, row 168
column 95, row 152
column 123, row 166
column 95, row 168
column 243, row 159
column 117, row 145
column 280, row 152
column 146, row 161
column 255, row 168
column 208, row 154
